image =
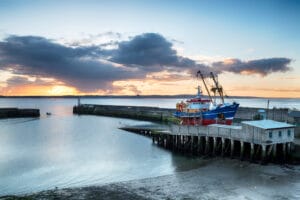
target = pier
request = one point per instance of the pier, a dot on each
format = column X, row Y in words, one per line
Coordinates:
column 258, row 141
column 17, row 112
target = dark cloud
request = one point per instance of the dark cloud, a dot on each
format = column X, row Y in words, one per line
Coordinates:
column 146, row 50
column 79, row 67
column 153, row 52
column 90, row 68
column 261, row 66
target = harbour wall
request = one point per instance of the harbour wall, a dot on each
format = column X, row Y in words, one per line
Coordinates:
column 165, row 114
column 133, row 112
column 16, row 112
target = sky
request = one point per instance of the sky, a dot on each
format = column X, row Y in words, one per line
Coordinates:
column 149, row 47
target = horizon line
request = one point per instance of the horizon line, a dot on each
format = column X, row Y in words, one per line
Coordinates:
column 133, row 96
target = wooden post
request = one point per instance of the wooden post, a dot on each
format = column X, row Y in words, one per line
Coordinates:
column 274, row 151
column 252, row 152
column 284, row 151
column 269, row 151
column 181, row 142
column 263, row 153
column 232, row 148
column 288, row 148
column 223, row 146
column 175, row 142
column 199, row 145
column 242, row 150
column 206, row 145
column 214, row 145
column 192, row 144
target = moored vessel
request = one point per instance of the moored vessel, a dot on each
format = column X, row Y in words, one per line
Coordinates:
column 204, row 111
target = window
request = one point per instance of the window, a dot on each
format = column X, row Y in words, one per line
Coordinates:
column 289, row 133
column 279, row 134
column 270, row 134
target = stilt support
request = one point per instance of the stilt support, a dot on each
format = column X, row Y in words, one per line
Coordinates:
column 242, row 150
column 263, row 154
column 231, row 148
column 214, row 145
column 252, row 152
column 206, row 145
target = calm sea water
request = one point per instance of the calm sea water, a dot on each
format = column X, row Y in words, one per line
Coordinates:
column 66, row 150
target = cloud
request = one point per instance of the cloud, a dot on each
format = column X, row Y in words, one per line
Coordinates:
column 91, row 68
column 20, row 80
column 80, row 67
column 152, row 52
column 260, row 66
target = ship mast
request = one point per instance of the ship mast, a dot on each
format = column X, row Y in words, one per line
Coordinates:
column 218, row 87
column 202, row 77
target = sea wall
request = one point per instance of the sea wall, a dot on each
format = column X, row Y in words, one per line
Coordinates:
column 133, row 112
column 16, row 112
column 162, row 114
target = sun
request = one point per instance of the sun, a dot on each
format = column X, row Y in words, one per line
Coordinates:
column 58, row 90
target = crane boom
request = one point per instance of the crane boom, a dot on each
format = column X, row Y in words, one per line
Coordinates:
column 202, row 77
column 220, row 89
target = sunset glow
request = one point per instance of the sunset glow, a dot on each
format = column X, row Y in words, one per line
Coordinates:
column 253, row 51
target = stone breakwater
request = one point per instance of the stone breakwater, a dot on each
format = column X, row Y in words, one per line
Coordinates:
column 133, row 112
column 166, row 114
column 16, row 112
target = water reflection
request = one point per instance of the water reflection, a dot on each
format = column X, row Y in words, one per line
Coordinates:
column 63, row 151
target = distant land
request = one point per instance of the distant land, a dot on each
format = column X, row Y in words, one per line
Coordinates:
column 185, row 96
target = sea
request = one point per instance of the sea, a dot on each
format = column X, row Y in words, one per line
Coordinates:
column 65, row 150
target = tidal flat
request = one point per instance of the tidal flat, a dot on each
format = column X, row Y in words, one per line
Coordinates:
column 217, row 178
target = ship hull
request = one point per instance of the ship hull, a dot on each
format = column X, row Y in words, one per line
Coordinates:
column 221, row 115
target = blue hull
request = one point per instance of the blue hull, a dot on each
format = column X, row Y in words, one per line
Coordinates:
column 223, row 114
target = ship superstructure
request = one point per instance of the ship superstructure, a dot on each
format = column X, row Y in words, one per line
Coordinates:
column 204, row 111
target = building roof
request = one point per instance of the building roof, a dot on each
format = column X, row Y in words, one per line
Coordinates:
column 268, row 124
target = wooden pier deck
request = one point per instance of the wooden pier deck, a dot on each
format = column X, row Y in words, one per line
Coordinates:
column 221, row 140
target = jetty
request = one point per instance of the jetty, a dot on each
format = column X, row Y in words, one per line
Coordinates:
column 260, row 140
column 255, row 140
column 17, row 112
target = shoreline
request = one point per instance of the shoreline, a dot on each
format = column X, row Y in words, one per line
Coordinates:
column 217, row 178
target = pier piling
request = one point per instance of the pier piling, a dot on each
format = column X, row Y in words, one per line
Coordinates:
column 242, row 150
column 220, row 140
column 231, row 148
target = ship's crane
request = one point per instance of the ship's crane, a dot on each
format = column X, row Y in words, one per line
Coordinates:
column 217, row 87
column 202, row 77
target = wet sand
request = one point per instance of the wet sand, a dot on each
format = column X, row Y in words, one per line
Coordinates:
column 216, row 179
